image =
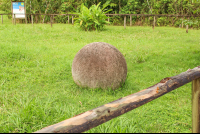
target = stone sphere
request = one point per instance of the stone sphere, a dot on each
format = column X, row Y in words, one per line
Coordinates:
column 99, row 65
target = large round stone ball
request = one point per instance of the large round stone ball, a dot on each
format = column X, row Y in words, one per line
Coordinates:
column 99, row 65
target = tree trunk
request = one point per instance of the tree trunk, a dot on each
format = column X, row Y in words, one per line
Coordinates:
column 149, row 6
column 45, row 11
column 119, row 5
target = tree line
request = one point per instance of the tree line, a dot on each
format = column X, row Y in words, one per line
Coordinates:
column 178, row 7
column 119, row 6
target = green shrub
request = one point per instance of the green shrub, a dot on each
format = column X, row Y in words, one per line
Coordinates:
column 162, row 21
column 193, row 22
column 93, row 18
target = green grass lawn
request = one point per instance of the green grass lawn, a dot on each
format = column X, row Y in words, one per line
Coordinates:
column 37, row 88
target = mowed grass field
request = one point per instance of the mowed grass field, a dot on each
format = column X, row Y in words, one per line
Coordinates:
column 37, row 88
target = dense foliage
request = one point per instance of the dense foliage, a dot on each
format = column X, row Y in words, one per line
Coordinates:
column 181, row 7
column 118, row 6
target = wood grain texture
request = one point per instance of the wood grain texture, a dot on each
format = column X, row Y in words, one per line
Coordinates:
column 32, row 19
column 130, row 20
column 187, row 25
column 72, row 20
column 196, row 106
column 108, row 19
column 14, row 19
column 154, row 21
column 182, row 22
column 99, row 115
column 186, row 28
column 125, row 22
column 51, row 16
column 26, row 19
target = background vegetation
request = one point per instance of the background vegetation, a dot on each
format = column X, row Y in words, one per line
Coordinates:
column 179, row 7
column 118, row 6
column 37, row 89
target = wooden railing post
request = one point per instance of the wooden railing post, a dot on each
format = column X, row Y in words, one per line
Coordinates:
column 68, row 19
column 130, row 20
column 154, row 21
column 108, row 19
column 143, row 19
column 72, row 20
column 14, row 20
column 196, row 106
column 26, row 18
column 2, row 19
column 182, row 22
column 51, row 19
column 124, row 21
column 32, row 19
column 187, row 25
column 149, row 20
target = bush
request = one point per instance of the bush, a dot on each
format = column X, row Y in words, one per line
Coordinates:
column 193, row 22
column 93, row 18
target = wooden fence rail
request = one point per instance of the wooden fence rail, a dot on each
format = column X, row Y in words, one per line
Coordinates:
column 99, row 115
column 73, row 15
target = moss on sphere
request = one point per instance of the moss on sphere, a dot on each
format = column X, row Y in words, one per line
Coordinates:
column 99, row 65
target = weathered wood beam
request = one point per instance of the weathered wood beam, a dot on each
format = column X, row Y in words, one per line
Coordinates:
column 182, row 22
column 99, row 115
column 14, row 19
column 26, row 18
column 125, row 22
column 196, row 106
column 51, row 19
column 154, row 22
column 187, row 26
column 72, row 20
column 108, row 19
column 32, row 19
